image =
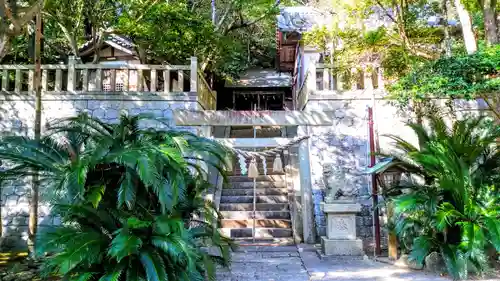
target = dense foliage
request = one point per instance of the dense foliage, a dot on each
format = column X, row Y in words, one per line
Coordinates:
column 161, row 31
column 395, row 41
column 411, row 40
column 459, row 76
column 130, row 200
column 451, row 200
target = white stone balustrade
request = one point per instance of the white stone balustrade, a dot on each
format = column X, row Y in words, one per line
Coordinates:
column 120, row 80
column 323, row 80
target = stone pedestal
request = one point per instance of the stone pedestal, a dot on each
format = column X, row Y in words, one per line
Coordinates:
column 341, row 229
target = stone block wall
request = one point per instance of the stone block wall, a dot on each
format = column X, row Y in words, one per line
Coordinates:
column 17, row 116
column 346, row 145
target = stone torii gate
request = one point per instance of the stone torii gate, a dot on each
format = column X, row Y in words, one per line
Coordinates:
column 299, row 168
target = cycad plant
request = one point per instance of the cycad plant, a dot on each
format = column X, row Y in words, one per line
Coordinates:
column 130, row 200
column 452, row 204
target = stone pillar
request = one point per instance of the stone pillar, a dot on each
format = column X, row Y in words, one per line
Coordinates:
column 306, row 188
column 341, row 229
column 294, row 194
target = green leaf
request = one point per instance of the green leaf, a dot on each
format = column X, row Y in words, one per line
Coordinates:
column 446, row 216
column 81, row 248
column 146, row 170
column 209, row 267
column 153, row 265
column 124, row 245
column 127, row 191
column 421, row 247
column 113, row 275
column 95, row 195
column 166, row 194
column 165, row 225
column 493, row 228
column 405, row 202
column 171, row 245
column 455, row 261
column 85, row 276
column 133, row 273
column 135, row 223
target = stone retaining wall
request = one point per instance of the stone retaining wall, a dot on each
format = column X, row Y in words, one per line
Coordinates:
column 346, row 144
column 17, row 116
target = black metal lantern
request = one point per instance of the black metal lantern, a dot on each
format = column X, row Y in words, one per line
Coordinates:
column 387, row 174
column 388, row 179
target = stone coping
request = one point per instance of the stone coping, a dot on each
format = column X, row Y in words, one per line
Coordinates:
column 347, row 207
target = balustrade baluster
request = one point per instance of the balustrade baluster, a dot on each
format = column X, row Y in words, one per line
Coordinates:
column 153, row 80
column 17, row 87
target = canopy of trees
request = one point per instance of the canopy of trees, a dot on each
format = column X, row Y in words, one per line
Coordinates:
column 430, row 48
column 227, row 36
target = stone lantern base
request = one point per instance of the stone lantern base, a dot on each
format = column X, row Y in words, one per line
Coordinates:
column 341, row 229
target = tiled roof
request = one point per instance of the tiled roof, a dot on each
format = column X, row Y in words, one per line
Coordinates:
column 300, row 19
column 111, row 39
column 261, row 78
column 121, row 40
column 304, row 18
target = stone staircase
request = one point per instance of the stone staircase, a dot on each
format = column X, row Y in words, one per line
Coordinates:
column 261, row 132
column 272, row 213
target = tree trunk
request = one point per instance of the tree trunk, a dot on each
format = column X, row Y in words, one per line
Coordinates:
column 5, row 44
column 97, row 39
column 490, row 22
column 466, row 23
column 1, row 224
column 33, row 207
column 446, row 29
column 214, row 12
column 401, row 24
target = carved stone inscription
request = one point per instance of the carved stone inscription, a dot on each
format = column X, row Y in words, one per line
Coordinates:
column 341, row 227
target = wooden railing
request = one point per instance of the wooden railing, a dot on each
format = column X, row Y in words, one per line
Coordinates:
column 323, row 79
column 114, row 78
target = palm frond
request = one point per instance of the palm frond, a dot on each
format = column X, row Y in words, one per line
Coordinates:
column 126, row 196
column 455, row 210
column 153, row 265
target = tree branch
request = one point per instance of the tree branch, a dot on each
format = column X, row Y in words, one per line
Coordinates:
column 223, row 18
column 491, row 107
column 17, row 23
column 5, row 44
column 385, row 11
column 154, row 2
column 246, row 24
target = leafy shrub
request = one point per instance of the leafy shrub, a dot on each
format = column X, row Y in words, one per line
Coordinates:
column 131, row 200
column 459, row 76
column 454, row 208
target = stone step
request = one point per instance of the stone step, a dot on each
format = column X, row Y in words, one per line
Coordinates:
column 258, row 199
column 241, row 253
column 258, row 191
column 258, row 184
column 259, row 134
column 269, row 160
column 241, row 215
column 260, row 165
column 270, row 242
column 261, row 172
column 269, row 223
column 269, row 163
column 260, row 232
column 272, row 178
column 249, row 207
